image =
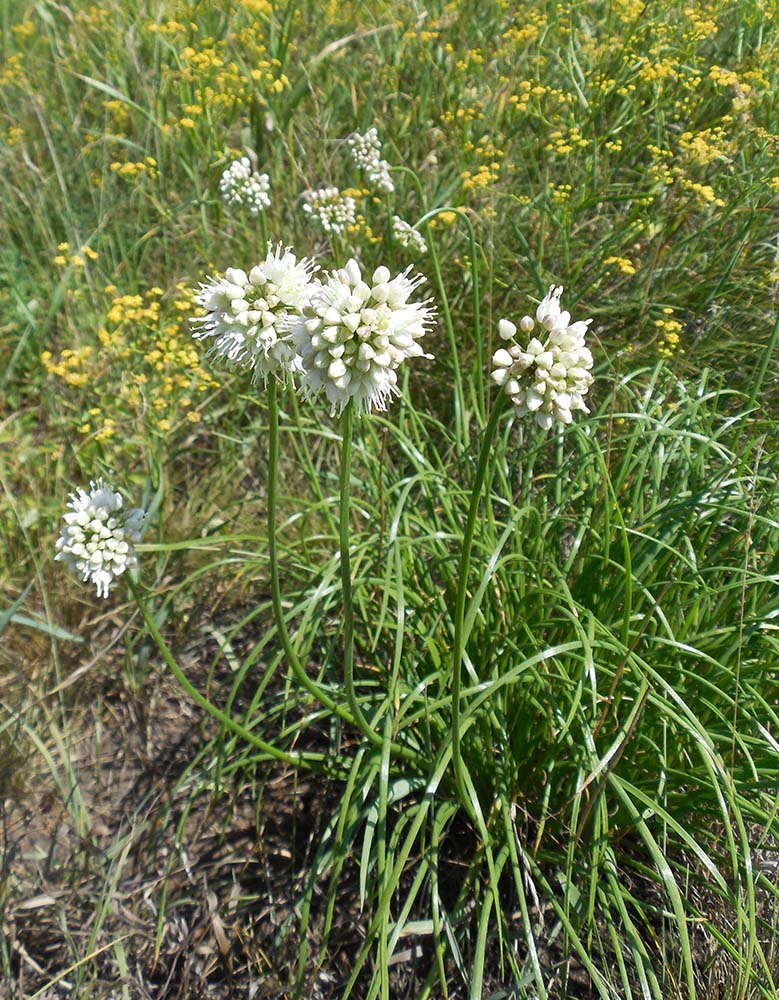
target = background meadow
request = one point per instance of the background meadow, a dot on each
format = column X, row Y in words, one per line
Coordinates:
column 618, row 835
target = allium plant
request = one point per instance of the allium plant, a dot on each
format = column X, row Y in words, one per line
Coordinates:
column 330, row 210
column 248, row 316
column 407, row 236
column 355, row 334
column 242, row 187
column 550, row 377
column 366, row 153
column 99, row 537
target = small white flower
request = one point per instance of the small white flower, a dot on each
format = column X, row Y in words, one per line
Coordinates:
column 242, row 187
column 98, row 540
column 366, row 153
column 249, row 315
column 550, row 376
column 356, row 334
column 407, row 236
column 330, row 210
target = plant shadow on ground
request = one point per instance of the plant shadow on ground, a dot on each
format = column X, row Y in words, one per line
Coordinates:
column 142, row 874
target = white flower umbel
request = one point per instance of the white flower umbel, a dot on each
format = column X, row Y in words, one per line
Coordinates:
column 366, row 153
column 330, row 210
column 548, row 378
column 99, row 537
column 242, row 187
column 248, row 316
column 357, row 333
column 407, row 236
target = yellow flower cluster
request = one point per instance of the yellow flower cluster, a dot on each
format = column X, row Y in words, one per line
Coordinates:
column 119, row 112
column 262, row 8
column 560, row 193
column 167, row 28
column 24, row 29
column 13, row 70
column 697, row 25
column 551, row 100
column 78, row 259
column 667, row 172
column 482, row 177
column 215, row 80
column 443, row 220
column 669, row 331
column 629, row 10
column 484, row 148
column 360, row 226
column 72, row 366
column 704, row 193
column 707, row 145
column 657, row 69
column 134, row 170
column 726, row 79
column 462, row 116
column 564, row 140
column 623, row 264
column 144, row 369
column 520, row 36
column 472, row 59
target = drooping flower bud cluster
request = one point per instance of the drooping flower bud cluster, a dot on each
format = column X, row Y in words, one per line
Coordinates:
column 242, row 187
column 366, row 153
column 407, row 236
column 249, row 315
column 550, row 377
column 355, row 334
column 99, row 537
column 330, row 210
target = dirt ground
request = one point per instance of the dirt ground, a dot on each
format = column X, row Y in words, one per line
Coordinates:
column 128, row 869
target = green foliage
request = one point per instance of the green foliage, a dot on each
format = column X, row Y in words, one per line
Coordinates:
column 617, row 701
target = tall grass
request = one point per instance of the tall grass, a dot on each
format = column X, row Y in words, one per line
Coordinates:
column 615, row 727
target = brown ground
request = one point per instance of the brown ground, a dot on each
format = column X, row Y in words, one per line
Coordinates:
column 126, row 872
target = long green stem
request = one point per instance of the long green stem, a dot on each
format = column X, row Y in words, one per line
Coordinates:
column 347, row 424
column 278, row 609
column 312, row 761
column 350, row 713
column 458, row 649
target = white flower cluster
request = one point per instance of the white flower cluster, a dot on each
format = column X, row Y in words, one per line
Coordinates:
column 366, row 153
column 356, row 334
column 99, row 537
column 407, row 236
column 550, row 377
column 344, row 337
column 249, row 315
column 330, row 209
column 242, row 187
